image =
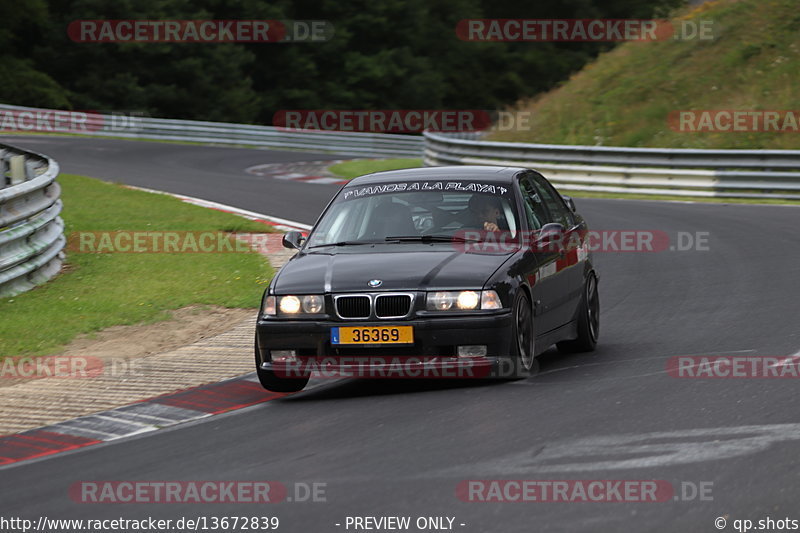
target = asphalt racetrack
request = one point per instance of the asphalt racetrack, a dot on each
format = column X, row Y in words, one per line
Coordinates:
column 401, row 448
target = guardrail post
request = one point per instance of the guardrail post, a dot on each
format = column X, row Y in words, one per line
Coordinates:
column 3, row 170
column 18, row 172
column 30, row 169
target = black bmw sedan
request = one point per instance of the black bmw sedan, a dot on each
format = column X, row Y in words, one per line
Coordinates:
column 468, row 271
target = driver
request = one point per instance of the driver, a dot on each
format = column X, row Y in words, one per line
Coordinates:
column 486, row 209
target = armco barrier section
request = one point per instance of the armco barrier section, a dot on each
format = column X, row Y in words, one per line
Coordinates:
column 140, row 127
column 765, row 174
column 31, row 232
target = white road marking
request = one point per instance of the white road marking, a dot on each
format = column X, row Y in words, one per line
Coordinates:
column 70, row 428
column 285, row 176
column 325, row 180
column 290, row 224
column 643, row 450
column 791, row 360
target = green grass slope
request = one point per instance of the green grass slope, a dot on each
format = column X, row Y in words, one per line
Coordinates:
column 626, row 96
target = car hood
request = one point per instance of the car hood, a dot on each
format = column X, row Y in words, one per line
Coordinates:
column 397, row 270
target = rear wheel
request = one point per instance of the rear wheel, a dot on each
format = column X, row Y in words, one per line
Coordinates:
column 588, row 321
column 272, row 382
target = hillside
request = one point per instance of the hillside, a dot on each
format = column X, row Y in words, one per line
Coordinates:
column 631, row 96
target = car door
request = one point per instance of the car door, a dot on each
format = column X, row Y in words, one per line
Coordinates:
column 543, row 267
column 569, row 273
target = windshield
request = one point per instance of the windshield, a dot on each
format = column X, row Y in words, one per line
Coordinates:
column 427, row 210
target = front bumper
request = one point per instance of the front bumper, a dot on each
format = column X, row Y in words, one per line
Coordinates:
column 433, row 353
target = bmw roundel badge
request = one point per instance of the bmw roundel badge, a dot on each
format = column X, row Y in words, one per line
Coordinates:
column 375, row 283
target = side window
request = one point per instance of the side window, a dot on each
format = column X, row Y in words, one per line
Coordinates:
column 535, row 210
column 559, row 212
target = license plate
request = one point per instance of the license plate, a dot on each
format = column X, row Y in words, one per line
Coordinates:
column 373, row 335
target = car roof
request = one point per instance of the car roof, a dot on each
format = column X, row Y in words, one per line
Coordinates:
column 461, row 173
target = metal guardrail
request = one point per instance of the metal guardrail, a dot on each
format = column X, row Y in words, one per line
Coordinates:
column 31, row 232
column 651, row 171
column 139, row 127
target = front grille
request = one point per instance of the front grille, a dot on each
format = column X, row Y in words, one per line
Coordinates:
column 353, row 306
column 393, row 305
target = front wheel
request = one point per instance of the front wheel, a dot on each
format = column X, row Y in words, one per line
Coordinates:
column 522, row 356
column 272, row 382
column 588, row 321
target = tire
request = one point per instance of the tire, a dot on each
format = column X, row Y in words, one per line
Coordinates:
column 523, row 360
column 588, row 321
column 272, row 382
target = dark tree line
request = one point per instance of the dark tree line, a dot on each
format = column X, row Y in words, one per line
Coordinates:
column 385, row 54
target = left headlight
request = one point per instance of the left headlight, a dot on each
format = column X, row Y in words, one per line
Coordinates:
column 311, row 304
column 462, row 300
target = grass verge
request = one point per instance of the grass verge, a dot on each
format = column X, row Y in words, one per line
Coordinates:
column 359, row 167
column 99, row 290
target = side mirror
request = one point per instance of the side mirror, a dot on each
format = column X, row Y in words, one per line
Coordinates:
column 570, row 202
column 293, row 240
column 550, row 237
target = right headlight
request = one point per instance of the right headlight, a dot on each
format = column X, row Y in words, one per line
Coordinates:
column 462, row 300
